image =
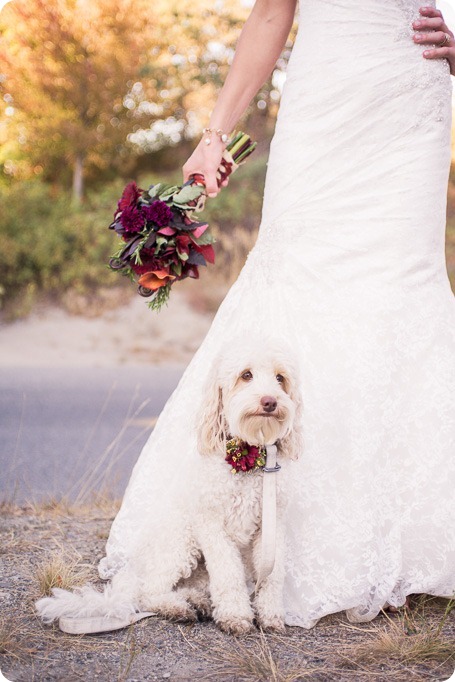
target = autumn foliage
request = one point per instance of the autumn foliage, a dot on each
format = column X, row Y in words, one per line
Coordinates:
column 78, row 77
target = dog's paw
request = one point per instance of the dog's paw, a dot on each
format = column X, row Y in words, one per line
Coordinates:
column 204, row 608
column 171, row 606
column 271, row 623
column 182, row 613
column 199, row 600
column 236, row 626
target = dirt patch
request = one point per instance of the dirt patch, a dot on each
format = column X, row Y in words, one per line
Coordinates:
column 415, row 645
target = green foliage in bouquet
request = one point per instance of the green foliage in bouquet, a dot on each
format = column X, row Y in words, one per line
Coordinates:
column 162, row 241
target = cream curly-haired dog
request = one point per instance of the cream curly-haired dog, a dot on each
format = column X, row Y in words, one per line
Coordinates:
column 211, row 548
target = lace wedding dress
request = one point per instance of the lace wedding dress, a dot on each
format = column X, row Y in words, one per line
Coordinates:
column 349, row 267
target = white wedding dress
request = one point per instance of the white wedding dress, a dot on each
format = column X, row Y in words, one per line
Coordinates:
column 349, row 267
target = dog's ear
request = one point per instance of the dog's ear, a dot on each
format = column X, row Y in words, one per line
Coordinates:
column 291, row 446
column 211, row 425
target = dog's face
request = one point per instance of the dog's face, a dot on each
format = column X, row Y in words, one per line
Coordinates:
column 252, row 395
column 257, row 406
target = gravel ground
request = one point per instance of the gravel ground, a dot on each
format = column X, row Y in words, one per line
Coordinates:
column 404, row 646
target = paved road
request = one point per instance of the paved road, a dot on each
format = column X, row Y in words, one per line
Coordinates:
column 68, row 431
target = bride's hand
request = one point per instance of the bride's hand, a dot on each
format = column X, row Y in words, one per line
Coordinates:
column 205, row 160
column 433, row 30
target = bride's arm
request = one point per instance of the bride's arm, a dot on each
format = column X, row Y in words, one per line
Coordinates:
column 260, row 44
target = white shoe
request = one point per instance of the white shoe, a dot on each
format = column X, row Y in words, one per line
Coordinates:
column 94, row 624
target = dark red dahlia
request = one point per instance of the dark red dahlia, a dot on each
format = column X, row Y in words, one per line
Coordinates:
column 132, row 219
column 158, row 212
column 130, row 195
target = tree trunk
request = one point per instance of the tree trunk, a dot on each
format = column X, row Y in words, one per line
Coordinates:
column 78, row 179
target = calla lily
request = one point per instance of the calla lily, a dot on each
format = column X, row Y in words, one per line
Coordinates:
column 156, row 279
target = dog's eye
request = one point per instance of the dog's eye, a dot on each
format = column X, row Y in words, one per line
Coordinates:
column 280, row 378
column 247, row 376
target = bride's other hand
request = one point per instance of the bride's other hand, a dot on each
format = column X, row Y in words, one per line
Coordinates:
column 205, row 160
column 431, row 29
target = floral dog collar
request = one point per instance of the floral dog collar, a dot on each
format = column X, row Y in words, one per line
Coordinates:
column 244, row 457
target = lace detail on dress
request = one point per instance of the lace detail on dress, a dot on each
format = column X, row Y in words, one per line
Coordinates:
column 349, row 265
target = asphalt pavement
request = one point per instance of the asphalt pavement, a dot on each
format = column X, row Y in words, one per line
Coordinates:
column 68, row 431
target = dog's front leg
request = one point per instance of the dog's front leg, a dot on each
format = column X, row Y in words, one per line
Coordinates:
column 161, row 565
column 269, row 598
column 231, row 602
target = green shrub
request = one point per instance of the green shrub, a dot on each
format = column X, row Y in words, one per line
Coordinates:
column 49, row 246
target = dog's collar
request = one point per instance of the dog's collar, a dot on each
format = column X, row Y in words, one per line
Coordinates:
column 246, row 458
column 271, row 451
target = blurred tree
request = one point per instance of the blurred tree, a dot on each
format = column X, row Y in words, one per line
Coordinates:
column 67, row 64
column 89, row 84
column 191, row 65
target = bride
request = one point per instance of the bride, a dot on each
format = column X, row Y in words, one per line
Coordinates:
column 349, row 267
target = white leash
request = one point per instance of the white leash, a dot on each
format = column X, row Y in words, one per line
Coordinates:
column 268, row 539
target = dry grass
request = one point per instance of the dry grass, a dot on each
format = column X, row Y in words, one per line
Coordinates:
column 253, row 659
column 99, row 503
column 14, row 638
column 427, row 645
column 130, row 652
column 23, row 640
column 8, row 506
column 60, row 569
column 414, row 644
column 55, row 506
column 415, row 637
column 12, row 541
column 247, row 659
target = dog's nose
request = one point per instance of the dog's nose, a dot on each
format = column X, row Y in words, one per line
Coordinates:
column 268, row 403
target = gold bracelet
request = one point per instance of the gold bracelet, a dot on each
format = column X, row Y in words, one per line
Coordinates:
column 224, row 137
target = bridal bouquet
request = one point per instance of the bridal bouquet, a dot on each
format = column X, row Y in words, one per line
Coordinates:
column 162, row 242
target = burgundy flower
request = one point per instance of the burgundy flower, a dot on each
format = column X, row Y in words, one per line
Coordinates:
column 158, row 212
column 207, row 251
column 141, row 269
column 182, row 243
column 244, row 457
column 132, row 219
column 190, row 271
column 130, row 195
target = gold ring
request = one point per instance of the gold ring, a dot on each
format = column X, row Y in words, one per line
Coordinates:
column 445, row 41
